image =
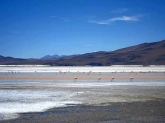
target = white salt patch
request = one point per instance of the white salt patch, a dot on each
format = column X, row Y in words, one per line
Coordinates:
column 7, row 116
column 31, row 107
column 22, row 101
column 105, row 84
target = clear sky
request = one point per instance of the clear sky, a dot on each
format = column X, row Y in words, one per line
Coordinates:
column 35, row 28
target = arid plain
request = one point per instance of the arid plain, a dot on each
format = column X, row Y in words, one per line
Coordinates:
column 82, row 94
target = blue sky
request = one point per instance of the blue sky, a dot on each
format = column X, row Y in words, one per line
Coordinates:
column 34, row 28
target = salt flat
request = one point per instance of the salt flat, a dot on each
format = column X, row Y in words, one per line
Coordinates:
column 113, row 68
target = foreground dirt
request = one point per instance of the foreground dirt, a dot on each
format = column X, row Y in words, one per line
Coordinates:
column 143, row 112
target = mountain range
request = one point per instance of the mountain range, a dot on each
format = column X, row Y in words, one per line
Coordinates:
column 52, row 57
column 142, row 54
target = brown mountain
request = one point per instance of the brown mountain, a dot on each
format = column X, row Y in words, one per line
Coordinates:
column 142, row 54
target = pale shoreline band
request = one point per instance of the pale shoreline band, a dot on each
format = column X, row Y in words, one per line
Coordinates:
column 115, row 68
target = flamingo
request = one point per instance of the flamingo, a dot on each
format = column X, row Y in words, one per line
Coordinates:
column 99, row 79
column 112, row 79
column 75, row 78
column 131, row 79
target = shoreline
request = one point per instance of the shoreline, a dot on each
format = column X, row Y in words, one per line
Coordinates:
column 149, row 111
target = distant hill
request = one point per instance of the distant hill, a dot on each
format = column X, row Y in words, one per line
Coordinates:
column 6, row 60
column 142, row 54
column 52, row 57
column 17, row 61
